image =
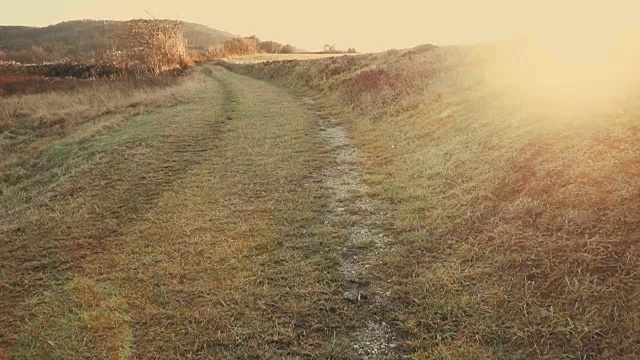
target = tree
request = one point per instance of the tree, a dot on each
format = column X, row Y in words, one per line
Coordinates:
column 288, row 49
column 330, row 49
column 271, row 47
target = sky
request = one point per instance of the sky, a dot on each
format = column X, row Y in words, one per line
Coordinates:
column 366, row 25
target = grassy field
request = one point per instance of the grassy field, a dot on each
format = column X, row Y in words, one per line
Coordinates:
column 515, row 212
column 431, row 203
column 264, row 57
column 192, row 228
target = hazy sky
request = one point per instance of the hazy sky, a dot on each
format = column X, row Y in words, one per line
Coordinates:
column 367, row 25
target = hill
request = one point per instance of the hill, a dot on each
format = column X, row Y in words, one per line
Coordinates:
column 79, row 39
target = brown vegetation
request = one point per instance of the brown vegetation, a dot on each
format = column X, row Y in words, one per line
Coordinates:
column 239, row 46
column 131, row 47
column 155, row 46
column 272, row 47
column 41, row 106
column 332, row 49
column 61, row 70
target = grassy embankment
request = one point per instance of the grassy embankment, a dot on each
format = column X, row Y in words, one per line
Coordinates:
column 50, row 134
column 515, row 204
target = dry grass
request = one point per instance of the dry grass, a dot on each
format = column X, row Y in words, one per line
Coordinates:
column 192, row 224
column 60, row 104
column 192, row 232
column 76, row 319
column 36, row 130
column 263, row 57
column 516, row 223
column 70, row 315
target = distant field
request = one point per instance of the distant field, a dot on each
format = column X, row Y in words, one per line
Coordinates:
column 259, row 58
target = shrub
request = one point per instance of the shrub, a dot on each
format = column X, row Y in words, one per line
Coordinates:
column 32, row 55
column 271, row 47
column 288, row 49
column 242, row 46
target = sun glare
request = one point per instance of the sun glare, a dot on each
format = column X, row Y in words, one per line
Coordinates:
column 570, row 70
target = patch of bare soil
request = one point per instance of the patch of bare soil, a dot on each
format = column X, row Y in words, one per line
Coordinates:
column 356, row 215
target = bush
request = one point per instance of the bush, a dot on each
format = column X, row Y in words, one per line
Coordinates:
column 153, row 46
column 236, row 46
column 32, row 55
column 288, row 49
column 271, row 47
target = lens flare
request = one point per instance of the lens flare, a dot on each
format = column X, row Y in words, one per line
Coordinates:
column 568, row 71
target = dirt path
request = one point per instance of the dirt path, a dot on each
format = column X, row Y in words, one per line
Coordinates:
column 355, row 214
column 235, row 226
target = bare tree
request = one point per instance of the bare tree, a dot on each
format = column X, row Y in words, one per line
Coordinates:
column 156, row 45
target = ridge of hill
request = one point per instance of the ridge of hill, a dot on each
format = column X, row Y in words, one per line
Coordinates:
column 80, row 38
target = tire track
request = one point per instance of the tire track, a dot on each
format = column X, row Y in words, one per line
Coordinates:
column 355, row 214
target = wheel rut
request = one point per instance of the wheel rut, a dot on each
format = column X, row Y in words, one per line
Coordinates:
column 355, row 214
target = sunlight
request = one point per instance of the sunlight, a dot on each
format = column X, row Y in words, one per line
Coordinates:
column 570, row 70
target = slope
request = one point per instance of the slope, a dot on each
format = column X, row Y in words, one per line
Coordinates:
column 513, row 192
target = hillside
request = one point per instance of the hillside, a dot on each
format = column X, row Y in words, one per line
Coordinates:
column 510, row 180
column 79, row 39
